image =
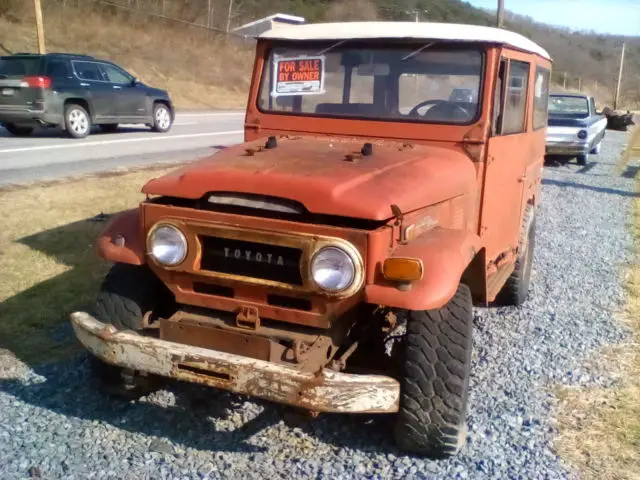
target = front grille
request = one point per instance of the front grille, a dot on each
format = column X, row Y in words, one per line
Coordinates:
column 251, row 259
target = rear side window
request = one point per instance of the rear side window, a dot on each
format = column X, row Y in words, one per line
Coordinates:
column 58, row 68
column 20, row 66
column 88, row 71
column 541, row 98
column 515, row 98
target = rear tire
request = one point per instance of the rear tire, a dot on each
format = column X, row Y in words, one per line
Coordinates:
column 516, row 288
column 162, row 118
column 435, row 381
column 109, row 127
column 582, row 159
column 127, row 294
column 77, row 121
column 596, row 149
column 18, row 131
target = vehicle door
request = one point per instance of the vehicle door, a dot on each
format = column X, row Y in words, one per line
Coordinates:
column 97, row 89
column 508, row 150
column 131, row 97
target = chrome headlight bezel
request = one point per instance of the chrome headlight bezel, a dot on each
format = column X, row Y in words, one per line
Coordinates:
column 181, row 240
column 352, row 261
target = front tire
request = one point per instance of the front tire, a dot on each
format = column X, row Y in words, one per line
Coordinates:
column 17, row 131
column 77, row 121
column 162, row 118
column 435, row 379
column 127, row 294
column 582, row 159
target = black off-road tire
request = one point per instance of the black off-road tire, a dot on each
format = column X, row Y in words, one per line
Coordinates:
column 109, row 127
column 127, row 293
column 516, row 288
column 18, row 131
column 435, row 379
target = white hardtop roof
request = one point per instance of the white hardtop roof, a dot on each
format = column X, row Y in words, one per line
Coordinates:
column 282, row 17
column 405, row 30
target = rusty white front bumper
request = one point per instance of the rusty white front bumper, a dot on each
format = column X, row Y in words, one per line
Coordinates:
column 324, row 391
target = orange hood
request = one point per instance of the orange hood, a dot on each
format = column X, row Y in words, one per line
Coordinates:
column 317, row 173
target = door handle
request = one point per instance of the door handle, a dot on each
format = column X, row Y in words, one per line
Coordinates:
column 117, row 87
column 84, row 84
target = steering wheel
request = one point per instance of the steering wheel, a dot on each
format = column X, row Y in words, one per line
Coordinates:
column 414, row 110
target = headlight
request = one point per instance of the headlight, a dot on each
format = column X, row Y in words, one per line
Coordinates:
column 333, row 269
column 167, row 245
column 582, row 134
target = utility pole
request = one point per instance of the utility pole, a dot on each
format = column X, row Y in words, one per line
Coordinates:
column 617, row 97
column 39, row 26
column 209, row 14
column 564, row 80
column 415, row 13
column 229, row 15
column 500, row 14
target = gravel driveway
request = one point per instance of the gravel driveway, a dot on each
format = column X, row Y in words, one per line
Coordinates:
column 54, row 425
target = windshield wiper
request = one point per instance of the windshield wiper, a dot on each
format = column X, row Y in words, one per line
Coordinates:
column 415, row 52
column 337, row 44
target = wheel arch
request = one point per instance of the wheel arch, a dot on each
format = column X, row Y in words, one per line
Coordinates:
column 83, row 102
column 448, row 257
column 122, row 240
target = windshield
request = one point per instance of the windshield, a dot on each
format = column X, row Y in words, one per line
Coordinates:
column 19, row 66
column 567, row 105
column 416, row 83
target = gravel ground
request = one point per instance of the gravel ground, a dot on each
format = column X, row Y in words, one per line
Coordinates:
column 54, row 425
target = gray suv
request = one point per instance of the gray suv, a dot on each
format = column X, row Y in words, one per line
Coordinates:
column 74, row 92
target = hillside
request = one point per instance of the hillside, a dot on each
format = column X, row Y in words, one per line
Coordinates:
column 173, row 54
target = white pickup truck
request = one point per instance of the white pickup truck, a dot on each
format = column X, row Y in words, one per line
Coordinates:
column 574, row 128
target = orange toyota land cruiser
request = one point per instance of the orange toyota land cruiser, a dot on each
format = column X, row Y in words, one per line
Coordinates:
column 330, row 262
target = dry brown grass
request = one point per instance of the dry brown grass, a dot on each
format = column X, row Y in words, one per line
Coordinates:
column 600, row 427
column 199, row 70
column 47, row 257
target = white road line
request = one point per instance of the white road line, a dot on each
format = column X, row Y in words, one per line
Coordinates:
column 84, row 144
column 185, row 123
column 212, row 114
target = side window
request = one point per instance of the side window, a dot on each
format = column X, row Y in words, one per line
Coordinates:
column 115, row 74
column 516, row 98
column 541, row 98
column 498, row 97
column 58, row 68
column 88, row 71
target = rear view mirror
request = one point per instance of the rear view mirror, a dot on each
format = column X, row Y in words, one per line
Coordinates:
column 373, row 69
column 135, row 81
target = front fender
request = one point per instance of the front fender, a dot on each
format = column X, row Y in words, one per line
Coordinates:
column 445, row 255
column 127, row 225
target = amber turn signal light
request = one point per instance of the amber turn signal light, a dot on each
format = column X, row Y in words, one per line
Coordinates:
column 402, row 269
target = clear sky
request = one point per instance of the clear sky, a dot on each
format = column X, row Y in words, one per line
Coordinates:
column 620, row 17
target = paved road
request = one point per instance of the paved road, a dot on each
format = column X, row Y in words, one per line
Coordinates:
column 49, row 154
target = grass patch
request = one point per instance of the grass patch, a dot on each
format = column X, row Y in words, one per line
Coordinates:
column 600, row 427
column 48, row 259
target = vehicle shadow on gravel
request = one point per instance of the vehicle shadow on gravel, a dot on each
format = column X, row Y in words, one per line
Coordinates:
column 610, row 191
column 191, row 416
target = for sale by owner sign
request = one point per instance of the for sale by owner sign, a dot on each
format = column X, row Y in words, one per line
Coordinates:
column 298, row 76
